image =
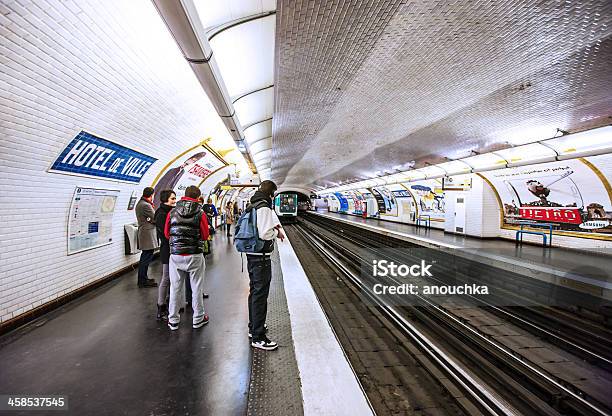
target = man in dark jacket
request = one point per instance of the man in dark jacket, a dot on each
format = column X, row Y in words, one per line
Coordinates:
column 187, row 225
column 168, row 201
column 210, row 210
column 260, row 266
column 147, row 239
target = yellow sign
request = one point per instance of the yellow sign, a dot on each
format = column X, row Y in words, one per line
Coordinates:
column 225, row 187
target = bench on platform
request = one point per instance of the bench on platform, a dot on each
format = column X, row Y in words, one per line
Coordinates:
column 426, row 219
column 519, row 233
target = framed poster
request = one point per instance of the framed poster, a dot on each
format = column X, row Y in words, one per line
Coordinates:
column 429, row 198
column 573, row 195
column 387, row 204
column 90, row 222
column 191, row 168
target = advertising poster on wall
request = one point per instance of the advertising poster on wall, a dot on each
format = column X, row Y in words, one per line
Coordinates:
column 350, row 201
column 343, row 202
column 229, row 196
column 429, row 197
column 358, row 202
column 387, row 204
column 190, row 169
column 90, row 221
column 569, row 194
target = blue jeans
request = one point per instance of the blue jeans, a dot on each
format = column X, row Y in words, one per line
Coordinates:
column 146, row 257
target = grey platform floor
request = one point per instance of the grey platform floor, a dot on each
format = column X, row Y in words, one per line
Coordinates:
column 109, row 355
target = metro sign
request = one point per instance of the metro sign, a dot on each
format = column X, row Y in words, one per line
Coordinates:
column 552, row 214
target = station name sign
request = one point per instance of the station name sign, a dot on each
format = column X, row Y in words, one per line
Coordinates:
column 89, row 155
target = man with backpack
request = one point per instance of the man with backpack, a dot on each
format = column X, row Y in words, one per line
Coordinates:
column 255, row 233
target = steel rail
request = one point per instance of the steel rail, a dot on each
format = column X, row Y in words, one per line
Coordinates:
column 593, row 355
column 485, row 398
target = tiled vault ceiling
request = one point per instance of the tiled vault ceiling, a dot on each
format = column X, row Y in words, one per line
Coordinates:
column 369, row 87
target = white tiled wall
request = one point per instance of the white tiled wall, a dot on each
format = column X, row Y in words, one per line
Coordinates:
column 482, row 212
column 110, row 68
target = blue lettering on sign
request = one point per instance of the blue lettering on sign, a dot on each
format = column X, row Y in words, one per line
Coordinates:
column 90, row 155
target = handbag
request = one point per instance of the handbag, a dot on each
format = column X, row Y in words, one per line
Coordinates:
column 205, row 246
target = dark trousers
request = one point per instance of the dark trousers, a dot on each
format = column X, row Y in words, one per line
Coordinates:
column 260, row 275
column 146, row 257
column 188, row 291
column 229, row 227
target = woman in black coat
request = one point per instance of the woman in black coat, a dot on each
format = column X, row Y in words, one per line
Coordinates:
column 168, row 201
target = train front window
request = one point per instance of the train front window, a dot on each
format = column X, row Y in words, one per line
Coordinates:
column 287, row 204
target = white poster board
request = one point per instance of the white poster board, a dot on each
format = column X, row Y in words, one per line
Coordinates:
column 90, row 223
column 189, row 169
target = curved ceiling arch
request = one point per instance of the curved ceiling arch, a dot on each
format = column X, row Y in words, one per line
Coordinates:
column 258, row 131
column 233, row 23
column 261, row 145
column 255, row 106
column 249, row 45
column 242, row 34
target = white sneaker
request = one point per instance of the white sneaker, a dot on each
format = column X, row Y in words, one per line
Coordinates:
column 173, row 327
column 200, row 324
column 264, row 344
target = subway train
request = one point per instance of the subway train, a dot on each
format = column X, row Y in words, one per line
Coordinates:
column 286, row 207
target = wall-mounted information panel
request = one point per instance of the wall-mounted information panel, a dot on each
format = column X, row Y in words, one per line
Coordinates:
column 90, row 223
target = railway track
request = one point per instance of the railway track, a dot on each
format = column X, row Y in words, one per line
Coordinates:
column 496, row 378
column 589, row 340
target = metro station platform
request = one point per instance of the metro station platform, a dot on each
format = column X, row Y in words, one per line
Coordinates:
column 578, row 270
column 108, row 355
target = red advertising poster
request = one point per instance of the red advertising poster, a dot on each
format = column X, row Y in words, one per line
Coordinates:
column 190, row 169
column 551, row 214
column 571, row 195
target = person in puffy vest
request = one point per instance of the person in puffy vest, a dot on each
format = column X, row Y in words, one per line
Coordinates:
column 186, row 226
column 260, row 266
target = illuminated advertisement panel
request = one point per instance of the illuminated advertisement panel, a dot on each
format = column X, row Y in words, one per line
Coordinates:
column 387, row 204
column 571, row 195
column 343, row 202
column 350, row 201
column 429, row 198
column 359, row 202
column 189, row 169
